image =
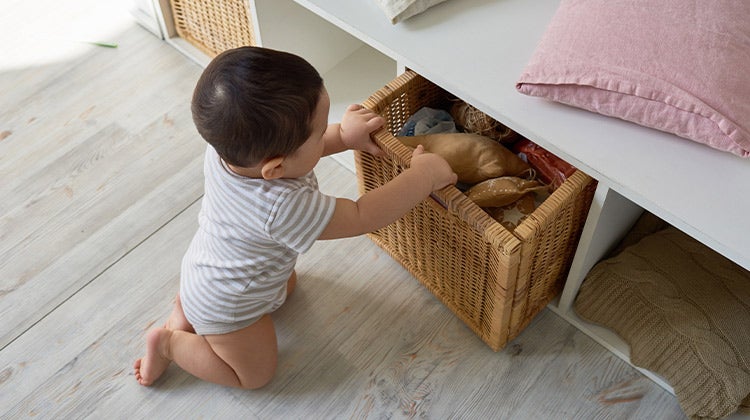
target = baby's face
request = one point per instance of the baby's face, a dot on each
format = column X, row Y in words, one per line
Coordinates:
column 304, row 159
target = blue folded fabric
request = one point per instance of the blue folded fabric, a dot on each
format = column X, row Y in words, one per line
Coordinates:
column 428, row 121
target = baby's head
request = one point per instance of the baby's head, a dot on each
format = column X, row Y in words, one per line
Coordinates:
column 254, row 103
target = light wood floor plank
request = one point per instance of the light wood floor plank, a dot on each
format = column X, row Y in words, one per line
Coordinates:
column 94, row 165
column 114, row 197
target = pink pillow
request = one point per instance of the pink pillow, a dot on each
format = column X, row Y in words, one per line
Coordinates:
column 681, row 66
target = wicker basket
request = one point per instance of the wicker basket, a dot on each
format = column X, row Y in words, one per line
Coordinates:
column 213, row 26
column 493, row 279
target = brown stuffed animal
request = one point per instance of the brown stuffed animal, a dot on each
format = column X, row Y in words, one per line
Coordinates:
column 474, row 158
column 502, row 191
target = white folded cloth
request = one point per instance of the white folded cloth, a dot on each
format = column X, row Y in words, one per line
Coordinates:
column 399, row 10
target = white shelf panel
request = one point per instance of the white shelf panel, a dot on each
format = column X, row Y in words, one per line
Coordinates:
column 286, row 26
column 477, row 49
column 610, row 218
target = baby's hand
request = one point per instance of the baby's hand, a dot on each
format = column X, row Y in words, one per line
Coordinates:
column 356, row 125
column 434, row 166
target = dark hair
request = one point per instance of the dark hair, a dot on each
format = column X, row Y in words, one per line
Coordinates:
column 254, row 103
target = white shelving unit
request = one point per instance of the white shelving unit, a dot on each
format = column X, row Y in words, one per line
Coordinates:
column 476, row 50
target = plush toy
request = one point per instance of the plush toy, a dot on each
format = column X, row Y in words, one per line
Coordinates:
column 475, row 121
column 474, row 158
column 498, row 192
column 513, row 215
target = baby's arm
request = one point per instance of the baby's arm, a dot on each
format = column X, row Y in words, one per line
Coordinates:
column 353, row 132
column 382, row 206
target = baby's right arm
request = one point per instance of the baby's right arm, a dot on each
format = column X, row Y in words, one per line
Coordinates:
column 384, row 205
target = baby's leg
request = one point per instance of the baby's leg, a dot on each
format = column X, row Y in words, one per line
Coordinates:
column 177, row 319
column 245, row 358
column 291, row 283
column 251, row 354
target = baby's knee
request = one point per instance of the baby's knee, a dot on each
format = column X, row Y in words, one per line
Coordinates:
column 261, row 378
column 251, row 353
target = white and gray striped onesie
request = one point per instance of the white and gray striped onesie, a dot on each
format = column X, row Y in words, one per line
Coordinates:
column 250, row 234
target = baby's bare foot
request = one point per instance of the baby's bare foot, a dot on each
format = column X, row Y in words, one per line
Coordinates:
column 150, row 367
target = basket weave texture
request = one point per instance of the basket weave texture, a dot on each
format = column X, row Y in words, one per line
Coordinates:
column 493, row 279
column 213, row 26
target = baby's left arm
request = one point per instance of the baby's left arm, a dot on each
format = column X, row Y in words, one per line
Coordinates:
column 353, row 132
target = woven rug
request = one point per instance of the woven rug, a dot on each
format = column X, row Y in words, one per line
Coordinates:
column 685, row 312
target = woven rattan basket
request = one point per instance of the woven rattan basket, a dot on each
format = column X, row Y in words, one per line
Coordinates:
column 493, row 279
column 213, row 26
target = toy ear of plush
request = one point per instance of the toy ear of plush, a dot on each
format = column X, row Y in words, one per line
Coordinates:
column 498, row 192
column 473, row 157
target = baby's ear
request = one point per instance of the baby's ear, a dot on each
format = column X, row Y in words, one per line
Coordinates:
column 272, row 168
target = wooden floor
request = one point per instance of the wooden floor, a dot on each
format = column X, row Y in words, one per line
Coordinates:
column 100, row 185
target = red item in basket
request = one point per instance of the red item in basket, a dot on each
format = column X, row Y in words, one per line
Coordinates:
column 551, row 169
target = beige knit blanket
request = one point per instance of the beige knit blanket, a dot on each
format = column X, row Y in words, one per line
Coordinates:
column 685, row 312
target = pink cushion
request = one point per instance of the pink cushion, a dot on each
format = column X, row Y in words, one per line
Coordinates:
column 681, row 66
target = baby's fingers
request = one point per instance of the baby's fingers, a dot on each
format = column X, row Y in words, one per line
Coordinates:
column 374, row 150
column 374, row 123
column 417, row 151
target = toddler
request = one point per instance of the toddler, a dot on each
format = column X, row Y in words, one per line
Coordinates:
column 264, row 114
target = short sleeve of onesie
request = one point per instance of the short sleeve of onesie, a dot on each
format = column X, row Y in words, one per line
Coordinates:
column 301, row 215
